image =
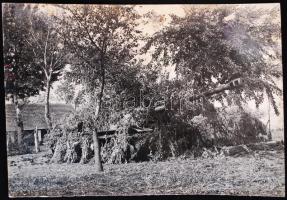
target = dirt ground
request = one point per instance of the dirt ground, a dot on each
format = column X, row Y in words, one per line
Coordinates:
column 259, row 173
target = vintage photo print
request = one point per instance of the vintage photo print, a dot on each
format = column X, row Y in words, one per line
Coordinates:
column 143, row 99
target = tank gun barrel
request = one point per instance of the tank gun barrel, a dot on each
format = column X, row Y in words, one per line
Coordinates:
column 227, row 86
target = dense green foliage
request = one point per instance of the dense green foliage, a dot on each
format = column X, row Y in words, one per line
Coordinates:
column 213, row 46
column 23, row 78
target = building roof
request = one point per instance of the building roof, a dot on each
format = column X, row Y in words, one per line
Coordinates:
column 33, row 115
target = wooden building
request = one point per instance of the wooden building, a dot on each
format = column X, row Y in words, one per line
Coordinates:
column 32, row 116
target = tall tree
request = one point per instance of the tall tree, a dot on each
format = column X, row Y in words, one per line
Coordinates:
column 211, row 46
column 22, row 77
column 49, row 52
column 103, row 40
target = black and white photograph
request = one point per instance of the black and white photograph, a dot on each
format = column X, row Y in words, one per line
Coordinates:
column 143, row 99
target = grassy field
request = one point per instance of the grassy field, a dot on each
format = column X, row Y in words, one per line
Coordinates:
column 260, row 173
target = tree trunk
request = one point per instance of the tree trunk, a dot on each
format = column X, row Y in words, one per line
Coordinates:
column 47, row 105
column 36, row 140
column 97, row 150
column 8, row 143
column 20, row 127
